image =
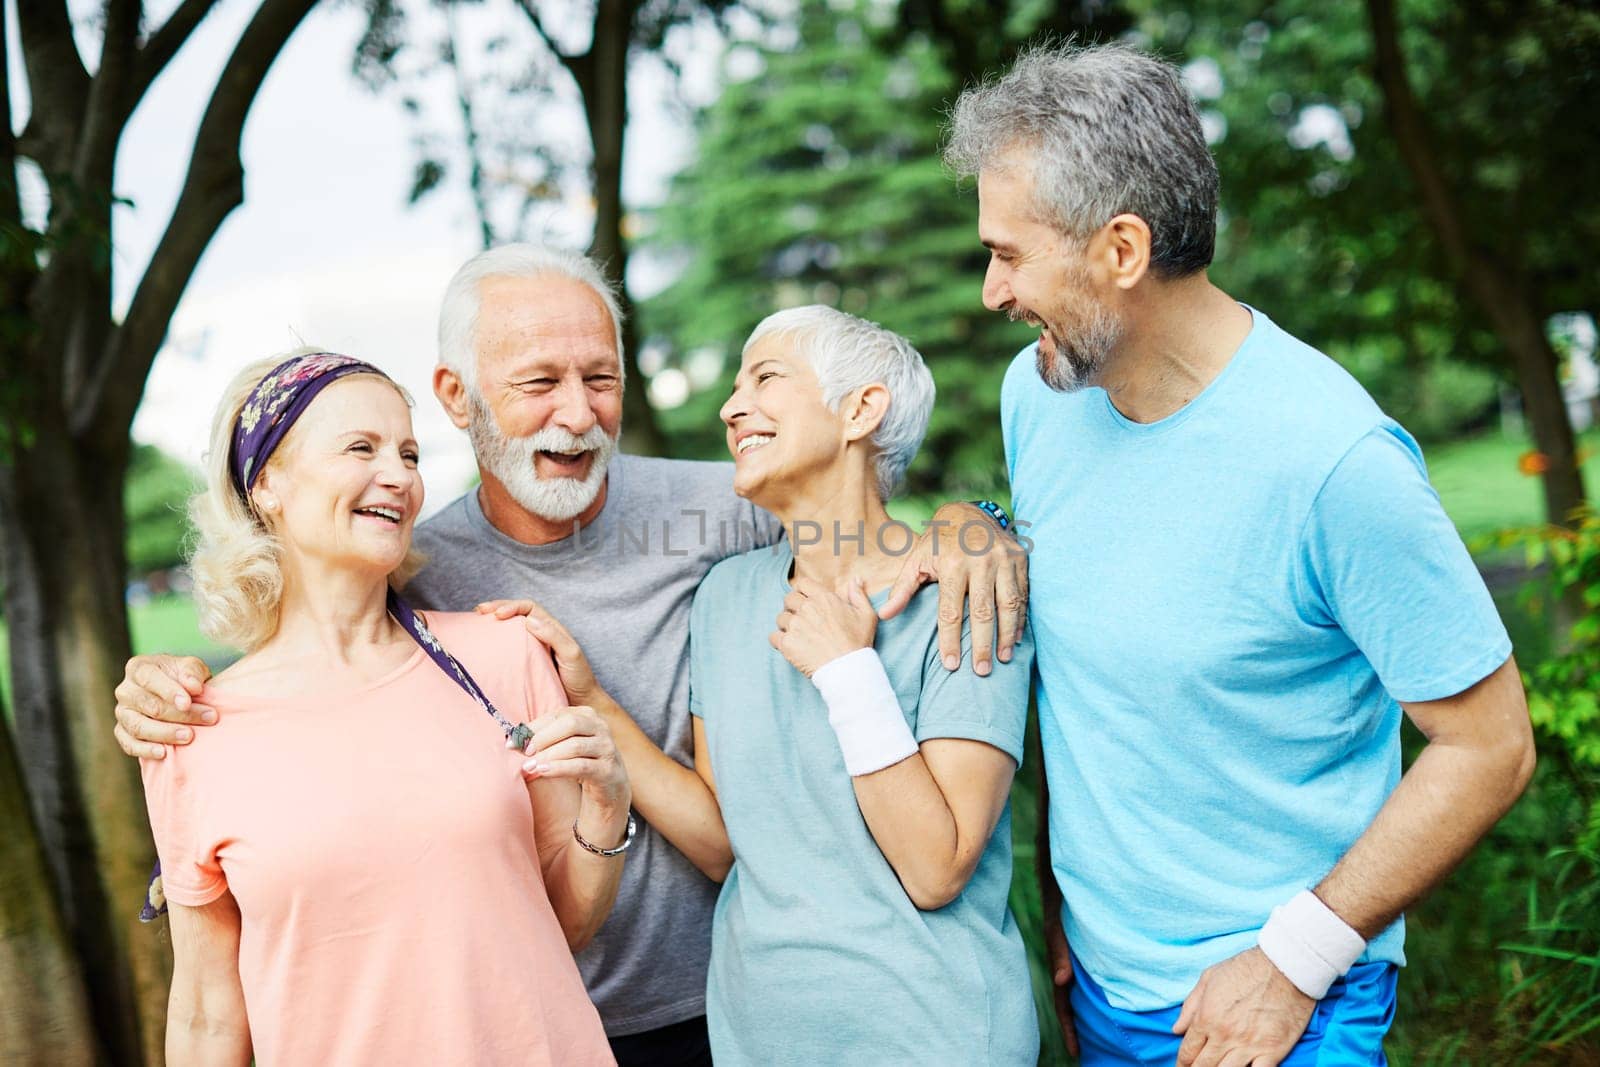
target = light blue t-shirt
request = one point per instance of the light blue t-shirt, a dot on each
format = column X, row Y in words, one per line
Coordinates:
column 817, row 954
column 1226, row 605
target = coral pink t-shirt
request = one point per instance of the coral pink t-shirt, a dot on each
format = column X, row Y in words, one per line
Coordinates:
column 380, row 843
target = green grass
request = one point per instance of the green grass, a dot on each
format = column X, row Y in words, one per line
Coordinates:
column 1483, row 491
column 168, row 624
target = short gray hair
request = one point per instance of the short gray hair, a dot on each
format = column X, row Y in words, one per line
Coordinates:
column 848, row 353
column 1108, row 129
column 458, row 316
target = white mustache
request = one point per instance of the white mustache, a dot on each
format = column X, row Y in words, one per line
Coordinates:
column 555, row 439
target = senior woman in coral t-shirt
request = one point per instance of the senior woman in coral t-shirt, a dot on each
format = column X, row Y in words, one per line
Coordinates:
column 402, row 889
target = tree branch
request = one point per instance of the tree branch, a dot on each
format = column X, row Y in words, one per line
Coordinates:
column 162, row 45
column 530, row 8
column 1411, row 133
column 214, row 187
column 107, row 109
column 58, row 86
column 469, row 124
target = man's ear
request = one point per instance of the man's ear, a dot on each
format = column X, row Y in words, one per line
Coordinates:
column 452, row 394
column 1122, row 249
column 864, row 411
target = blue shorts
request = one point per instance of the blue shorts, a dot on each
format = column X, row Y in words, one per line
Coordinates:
column 1346, row 1030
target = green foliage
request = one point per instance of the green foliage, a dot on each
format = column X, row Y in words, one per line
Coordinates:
column 155, row 494
column 1557, row 1001
column 1564, row 690
column 1321, row 224
column 818, row 180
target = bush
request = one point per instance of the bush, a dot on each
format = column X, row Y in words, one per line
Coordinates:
column 1556, row 1003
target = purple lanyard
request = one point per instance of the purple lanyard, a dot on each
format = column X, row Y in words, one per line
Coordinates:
column 516, row 736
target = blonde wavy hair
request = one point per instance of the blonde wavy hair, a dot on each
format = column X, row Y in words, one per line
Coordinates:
column 234, row 557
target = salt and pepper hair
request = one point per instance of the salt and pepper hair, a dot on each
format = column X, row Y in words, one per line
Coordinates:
column 458, row 317
column 848, row 353
column 1104, row 130
column 236, row 561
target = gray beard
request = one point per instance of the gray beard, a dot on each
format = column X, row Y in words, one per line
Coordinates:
column 1077, row 363
column 511, row 459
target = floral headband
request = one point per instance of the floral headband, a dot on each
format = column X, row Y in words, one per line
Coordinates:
column 276, row 403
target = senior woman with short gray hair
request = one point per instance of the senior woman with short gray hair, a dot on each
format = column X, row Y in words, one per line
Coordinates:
column 862, row 785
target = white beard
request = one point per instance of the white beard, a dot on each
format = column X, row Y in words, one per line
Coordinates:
column 511, row 459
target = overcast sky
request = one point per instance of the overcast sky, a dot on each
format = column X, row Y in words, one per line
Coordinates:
column 325, row 249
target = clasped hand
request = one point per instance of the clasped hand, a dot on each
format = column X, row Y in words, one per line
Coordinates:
column 576, row 743
column 817, row 625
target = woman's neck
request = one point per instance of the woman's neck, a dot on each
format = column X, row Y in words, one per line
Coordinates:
column 333, row 617
column 844, row 533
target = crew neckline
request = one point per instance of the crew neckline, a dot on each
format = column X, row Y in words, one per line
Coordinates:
column 1259, row 324
column 223, row 697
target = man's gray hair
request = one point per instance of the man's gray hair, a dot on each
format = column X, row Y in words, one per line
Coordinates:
column 1107, row 130
column 848, row 353
column 458, row 316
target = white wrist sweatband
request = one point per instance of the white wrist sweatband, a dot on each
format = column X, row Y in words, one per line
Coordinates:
column 864, row 712
column 1310, row 944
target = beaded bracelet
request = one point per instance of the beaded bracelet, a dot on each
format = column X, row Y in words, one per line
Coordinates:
column 994, row 511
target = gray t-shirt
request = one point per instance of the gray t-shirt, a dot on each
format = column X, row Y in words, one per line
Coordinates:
column 622, row 586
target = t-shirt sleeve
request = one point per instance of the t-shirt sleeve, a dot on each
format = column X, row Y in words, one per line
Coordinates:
column 1383, row 562
column 546, row 694
column 960, row 704
column 698, row 637
column 191, row 874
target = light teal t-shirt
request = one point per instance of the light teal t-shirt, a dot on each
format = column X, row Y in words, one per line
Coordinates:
column 1226, row 606
column 817, row 954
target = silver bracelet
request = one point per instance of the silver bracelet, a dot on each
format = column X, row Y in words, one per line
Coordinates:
column 597, row 850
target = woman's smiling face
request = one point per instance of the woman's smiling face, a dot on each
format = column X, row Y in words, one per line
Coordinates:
column 343, row 487
column 780, row 433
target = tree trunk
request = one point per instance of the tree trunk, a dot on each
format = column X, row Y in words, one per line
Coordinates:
column 1520, row 327
column 1486, row 279
column 61, row 520
column 44, row 1015
column 603, row 82
column 72, row 380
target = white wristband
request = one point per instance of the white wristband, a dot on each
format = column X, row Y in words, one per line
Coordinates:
column 1310, row 944
column 864, row 712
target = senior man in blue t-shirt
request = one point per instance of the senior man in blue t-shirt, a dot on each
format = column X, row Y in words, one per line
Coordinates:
column 1240, row 578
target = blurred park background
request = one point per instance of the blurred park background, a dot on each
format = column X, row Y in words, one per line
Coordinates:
column 1408, row 184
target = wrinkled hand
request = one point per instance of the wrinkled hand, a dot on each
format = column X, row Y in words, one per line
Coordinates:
column 1242, row 1013
column 1060, row 959
column 155, row 704
column 818, row 625
column 576, row 743
column 975, row 563
column 577, row 676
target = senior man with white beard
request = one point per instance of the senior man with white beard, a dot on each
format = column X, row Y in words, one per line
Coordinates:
column 614, row 547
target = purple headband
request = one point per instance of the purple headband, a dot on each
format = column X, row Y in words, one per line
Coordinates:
column 273, row 406
column 276, row 403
